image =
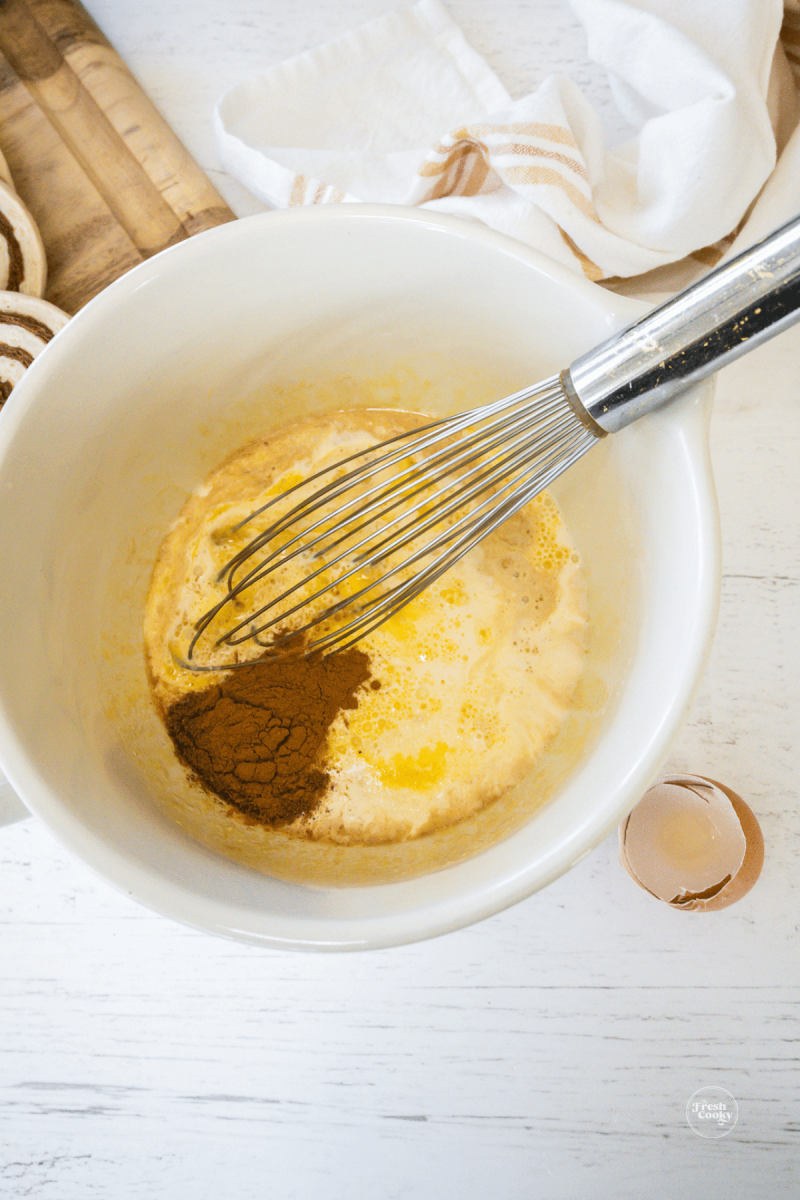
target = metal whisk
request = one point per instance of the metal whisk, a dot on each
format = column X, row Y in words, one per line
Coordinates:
column 377, row 528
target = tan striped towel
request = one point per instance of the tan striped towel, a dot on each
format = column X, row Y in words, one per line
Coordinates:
column 403, row 111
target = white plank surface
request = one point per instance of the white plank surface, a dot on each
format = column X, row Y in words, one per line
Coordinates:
column 548, row 1052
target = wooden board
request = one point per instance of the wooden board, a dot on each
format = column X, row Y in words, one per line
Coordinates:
column 105, row 178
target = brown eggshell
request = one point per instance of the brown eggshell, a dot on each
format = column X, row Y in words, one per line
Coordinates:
column 750, row 869
column 726, row 891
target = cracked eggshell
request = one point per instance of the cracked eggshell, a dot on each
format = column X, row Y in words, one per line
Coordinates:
column 693, row 843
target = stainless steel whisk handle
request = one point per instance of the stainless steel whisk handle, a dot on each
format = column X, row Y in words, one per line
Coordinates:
column 727, row 313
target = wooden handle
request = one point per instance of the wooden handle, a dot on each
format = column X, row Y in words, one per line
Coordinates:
column 127, row 190
column 107, row 78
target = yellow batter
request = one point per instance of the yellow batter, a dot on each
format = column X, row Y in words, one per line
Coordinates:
column 476, row 674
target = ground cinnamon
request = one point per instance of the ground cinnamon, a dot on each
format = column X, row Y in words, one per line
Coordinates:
column 257, row 739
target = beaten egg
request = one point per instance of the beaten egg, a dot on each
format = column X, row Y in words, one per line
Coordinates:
column 471, row 680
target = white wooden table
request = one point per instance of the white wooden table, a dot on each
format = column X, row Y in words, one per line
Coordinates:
column 548, row 1052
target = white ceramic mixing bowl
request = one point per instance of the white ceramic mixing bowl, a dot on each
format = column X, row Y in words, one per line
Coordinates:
column 192, row 354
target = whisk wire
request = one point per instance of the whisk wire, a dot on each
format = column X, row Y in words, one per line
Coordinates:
column 361, row 625
column 468, row 491
column 511, row 449
column 415, row 441
column 471, row 529
column 389, row 543
column 420, row 475
column 423, row 476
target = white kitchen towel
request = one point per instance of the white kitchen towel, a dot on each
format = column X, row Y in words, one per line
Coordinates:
column 402, row 110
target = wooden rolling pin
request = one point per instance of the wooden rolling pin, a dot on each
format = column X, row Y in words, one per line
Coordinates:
column 104, row 176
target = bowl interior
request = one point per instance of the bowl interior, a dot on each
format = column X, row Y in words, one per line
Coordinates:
column 216, row 342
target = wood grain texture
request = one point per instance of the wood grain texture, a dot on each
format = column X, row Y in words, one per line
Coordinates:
column 545, row 1054
column 107, row 181
column 86, row 247
column 151, row 142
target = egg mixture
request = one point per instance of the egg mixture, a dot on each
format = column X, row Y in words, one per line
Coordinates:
column 473, row 678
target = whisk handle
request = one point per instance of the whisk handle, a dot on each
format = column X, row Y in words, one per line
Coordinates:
column 727, row 313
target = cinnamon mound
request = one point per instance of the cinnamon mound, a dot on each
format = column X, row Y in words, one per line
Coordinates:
column 257, row 739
